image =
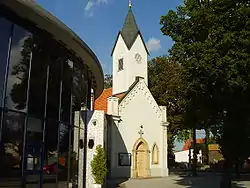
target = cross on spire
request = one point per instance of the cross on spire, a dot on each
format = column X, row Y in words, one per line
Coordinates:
column 130, row 3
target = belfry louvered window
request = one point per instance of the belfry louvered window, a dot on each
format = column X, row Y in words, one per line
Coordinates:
column 120, row 64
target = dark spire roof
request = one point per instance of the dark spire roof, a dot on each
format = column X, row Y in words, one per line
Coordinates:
column 130, row 29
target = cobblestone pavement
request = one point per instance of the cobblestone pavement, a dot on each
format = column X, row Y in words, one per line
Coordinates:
column 175, row 181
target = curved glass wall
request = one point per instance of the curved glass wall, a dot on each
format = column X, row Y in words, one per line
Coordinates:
column 42, row 90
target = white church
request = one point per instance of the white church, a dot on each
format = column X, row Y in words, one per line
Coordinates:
column 126, row 120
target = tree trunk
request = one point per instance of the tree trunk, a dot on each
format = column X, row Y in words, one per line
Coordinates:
column 206, row 146
column 189, row 161
column 237, row 167
column 226, row 181
column 2, row 158
column 194, row 164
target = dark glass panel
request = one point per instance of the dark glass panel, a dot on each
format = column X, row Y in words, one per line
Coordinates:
column 33, row 153
column 50, row 153
column 74, row 154
column 5, row 32
column 12, row 141
column 18, row 74
column 66, row 91
column 80, row 84
column 38, row 78
column 63, row 158
column 84, row 85
column 53, row 102
column 77, row 88
column 1, row 147
column 34, row 129
column 32, row 181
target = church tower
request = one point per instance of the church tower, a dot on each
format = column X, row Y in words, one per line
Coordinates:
column 130, row 55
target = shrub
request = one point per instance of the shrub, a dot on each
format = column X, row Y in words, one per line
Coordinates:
column 99, row 165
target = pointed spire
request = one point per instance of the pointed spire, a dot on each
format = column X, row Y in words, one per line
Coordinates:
column 130, row 29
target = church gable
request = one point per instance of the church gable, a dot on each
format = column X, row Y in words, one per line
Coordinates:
column 139, row 88
column 139, row 44
column 119, row 44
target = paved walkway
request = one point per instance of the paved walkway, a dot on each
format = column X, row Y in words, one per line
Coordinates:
column 174, row 181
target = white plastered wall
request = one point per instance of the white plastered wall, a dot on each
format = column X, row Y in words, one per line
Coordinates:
column 139, row 109
column 119, row 77
column 123, row 79
column 79, row 134
column 96, row 131
column 137, row 69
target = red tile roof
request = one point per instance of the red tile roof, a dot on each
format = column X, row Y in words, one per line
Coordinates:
column 101, row 103
column 189, row 141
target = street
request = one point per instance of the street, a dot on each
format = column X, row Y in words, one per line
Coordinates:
column 175, row 181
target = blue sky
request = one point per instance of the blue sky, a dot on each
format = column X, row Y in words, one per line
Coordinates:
column 199, row 134
column 98, row 23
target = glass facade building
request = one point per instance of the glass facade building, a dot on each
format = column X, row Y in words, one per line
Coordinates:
column 45, row 81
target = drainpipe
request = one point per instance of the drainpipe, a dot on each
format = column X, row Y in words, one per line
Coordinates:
column 92, row 100
column 84, row 111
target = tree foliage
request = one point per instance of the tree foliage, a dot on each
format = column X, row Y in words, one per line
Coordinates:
column 167, row 87
column 99, row 165
column 108, row 81
column 211, row 43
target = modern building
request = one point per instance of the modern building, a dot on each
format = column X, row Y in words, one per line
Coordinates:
column 47, row 74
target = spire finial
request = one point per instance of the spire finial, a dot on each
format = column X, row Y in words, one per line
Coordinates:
column 130, row 3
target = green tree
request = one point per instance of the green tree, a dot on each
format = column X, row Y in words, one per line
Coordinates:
column 99, row 165
column 211, row 42
column 167, row 87
column 108, row 78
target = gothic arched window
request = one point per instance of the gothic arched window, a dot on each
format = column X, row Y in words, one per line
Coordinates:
column 155, row 154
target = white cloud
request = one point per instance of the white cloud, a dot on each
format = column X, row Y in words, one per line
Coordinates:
column 91, row 4
column 153, row 44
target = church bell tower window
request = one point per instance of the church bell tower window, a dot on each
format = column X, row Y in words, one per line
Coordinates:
column 120, row 64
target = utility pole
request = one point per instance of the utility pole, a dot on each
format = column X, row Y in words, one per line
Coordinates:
column 206, row 145
column 189, row 152
column 194, row 164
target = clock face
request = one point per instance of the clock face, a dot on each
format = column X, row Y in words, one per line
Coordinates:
column 138, row 58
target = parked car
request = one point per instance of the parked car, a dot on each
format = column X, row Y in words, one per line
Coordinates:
column 51, row 168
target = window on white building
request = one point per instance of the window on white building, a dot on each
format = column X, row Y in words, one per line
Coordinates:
column 155, row 155
column 120, row 64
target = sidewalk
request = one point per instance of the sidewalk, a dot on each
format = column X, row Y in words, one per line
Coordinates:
column 207, row 180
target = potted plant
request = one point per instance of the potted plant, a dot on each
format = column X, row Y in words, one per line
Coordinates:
column 99, row 167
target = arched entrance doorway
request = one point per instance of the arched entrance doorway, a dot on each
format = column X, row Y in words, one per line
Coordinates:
column 141, row 159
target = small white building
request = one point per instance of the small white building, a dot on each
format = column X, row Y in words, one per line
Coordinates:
column 128, row 119
column 183, row 156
